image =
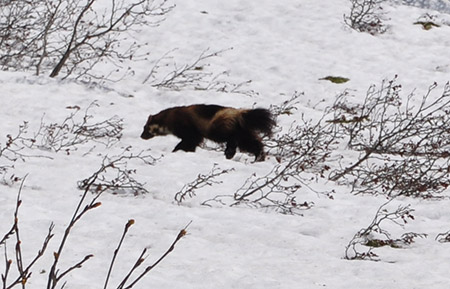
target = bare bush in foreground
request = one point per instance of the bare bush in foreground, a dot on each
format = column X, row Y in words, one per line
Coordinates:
column 404, row 147
column 375, row 235
column 18, row 271
column 23, row 267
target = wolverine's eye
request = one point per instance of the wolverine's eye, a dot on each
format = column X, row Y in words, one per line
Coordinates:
column 146, row 134
column 153, row 129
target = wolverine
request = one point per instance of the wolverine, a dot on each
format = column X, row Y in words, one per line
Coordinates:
column 238, row 128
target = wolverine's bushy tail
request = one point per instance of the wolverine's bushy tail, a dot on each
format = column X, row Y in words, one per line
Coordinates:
column 259, row 119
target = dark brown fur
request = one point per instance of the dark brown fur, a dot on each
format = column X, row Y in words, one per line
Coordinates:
column 238, row 128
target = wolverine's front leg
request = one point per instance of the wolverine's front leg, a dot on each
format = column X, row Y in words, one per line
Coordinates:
column 188, row 145
column 230, row 150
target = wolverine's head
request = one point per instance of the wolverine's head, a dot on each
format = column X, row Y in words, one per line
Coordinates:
column 153, row 127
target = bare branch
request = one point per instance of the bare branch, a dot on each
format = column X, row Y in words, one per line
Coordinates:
column 366, row 16
column 180, row 235
column 72, row 132
column 201, row 181
column 115, row 176
column 23, row 268
column 116, row 251
column 73, row 37
column 302, row 154
column 375, row 235
column 403, row 148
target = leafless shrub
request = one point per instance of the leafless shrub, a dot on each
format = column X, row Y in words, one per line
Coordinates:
column 201, row 181
column 193, row 75
column 73, row 36
column 19, row 32
column 114, row 175
column 439, row 5
column 403, row 147
column 56, row 137
column 428, row 21
column 366, row 16
column 13, row 150
column 302, row 155
column 443, row 237
column 411, row 177
column 186, row 75
column 375, row 235
column 72, row 131
column 287, row 107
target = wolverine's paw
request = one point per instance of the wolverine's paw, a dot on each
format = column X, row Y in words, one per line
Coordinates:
column 260, row 157
column 230, row 152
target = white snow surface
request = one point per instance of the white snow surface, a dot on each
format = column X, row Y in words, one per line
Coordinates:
column 282, row 47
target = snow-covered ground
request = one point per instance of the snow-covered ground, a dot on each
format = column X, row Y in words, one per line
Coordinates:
column 274, row 49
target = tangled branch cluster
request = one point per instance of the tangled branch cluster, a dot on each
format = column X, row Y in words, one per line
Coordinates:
column 375, row 235
column 165, row 73
column 114, row 175
column 72, row 36
column 72, row 132
column 302, row 155
column 185, row 75
column 404, row 148
column 65, row 136
column 366, row 16
column 288, row 106
column 12, row 150
column 443, row 237
column 201, row 181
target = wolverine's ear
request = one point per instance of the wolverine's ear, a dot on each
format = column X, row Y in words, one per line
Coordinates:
column 150, row 117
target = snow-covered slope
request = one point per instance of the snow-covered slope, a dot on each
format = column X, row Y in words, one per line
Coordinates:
column 271, row 50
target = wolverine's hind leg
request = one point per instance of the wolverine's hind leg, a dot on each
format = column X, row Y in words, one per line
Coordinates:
column 230, row 150
column 188, row 144
column 252, row 143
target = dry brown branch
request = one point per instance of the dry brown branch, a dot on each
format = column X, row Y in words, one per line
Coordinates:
column 23, row 267
column 116, row 251
column 123, row 285
column 54, row 276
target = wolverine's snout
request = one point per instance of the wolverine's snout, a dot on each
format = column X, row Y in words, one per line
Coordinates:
column 146, row 135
